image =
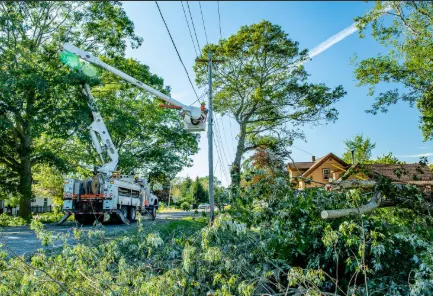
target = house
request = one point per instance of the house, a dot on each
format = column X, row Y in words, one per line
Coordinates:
column 38, row 205
column 331, row 167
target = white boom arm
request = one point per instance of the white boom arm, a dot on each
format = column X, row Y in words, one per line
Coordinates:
column 194, row 117
column 99, row 127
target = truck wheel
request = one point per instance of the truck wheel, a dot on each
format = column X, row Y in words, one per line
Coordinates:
column 124, row 211
column 133, row 213
column 153, row 213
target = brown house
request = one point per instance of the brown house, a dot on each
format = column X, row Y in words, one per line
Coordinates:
column 331, row 167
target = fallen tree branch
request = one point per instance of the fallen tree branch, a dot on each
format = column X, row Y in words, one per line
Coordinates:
column 350, row 184
column 373, row 204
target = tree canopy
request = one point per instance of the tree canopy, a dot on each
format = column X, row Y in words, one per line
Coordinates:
column 362, row 149
column 43, row 113
column 264, row 87
column 406, row 30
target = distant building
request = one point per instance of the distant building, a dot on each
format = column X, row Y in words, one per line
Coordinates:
column 331, row 167
column 38, row 205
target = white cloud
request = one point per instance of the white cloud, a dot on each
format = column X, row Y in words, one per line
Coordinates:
column 343, row 34
column 416, row 155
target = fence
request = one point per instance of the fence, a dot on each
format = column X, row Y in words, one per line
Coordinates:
column 41, row 209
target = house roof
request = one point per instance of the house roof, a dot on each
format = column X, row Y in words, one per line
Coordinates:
column 409, row 172
column 301, row 165
column 321, row 160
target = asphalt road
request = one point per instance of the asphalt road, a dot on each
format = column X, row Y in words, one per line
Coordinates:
column 21, row 240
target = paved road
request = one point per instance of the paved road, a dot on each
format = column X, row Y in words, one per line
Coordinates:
column 21, row 240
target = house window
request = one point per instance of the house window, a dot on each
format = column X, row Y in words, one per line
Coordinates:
column 326, row 173
column 45, row 202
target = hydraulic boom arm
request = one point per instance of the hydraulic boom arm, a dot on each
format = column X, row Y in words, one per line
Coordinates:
column 194, row 117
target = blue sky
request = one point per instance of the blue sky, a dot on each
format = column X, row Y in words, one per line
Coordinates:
column 309, row 23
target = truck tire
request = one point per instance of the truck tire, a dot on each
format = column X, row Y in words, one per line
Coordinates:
column 133, row 213
column 125, row 211
column 153, row 213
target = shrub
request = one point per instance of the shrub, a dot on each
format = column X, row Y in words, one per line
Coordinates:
column 6, row 220
column 185, row 206
column 272, row 241
column 161, row 206
column 51, row 217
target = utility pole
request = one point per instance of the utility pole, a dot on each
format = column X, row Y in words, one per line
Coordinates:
column 210, row 135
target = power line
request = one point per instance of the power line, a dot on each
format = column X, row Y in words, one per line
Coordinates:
column 189, row 29
column 302, row 150
column 231, row 133
column 218, row 136
column 202, row 19
column 186, row 71
column 225, row 135
column 190, row 15
column 219, row 19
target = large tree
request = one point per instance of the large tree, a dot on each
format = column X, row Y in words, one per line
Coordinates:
column 36, row 95
column 147, row 137
column 406, row 29
column 264, row 87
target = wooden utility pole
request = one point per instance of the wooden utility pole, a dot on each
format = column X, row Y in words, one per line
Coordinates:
column 210, row 135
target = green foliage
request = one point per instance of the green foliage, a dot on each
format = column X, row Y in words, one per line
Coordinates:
column 149, row 139
column 264, row 86
column 406, row 32
column 386, row 159
column 51, row 217
column 43, row 113
column 185, row 206
column 38, row 95
column 48, row 182
column 6, row 220
column 273, row 243
column 198, row 193
column 362, row 147
column 185, row 190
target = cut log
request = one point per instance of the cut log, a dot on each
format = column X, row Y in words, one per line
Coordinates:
column 373, row 204
column 351, row 184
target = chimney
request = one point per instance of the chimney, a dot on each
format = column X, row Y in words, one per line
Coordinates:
column 353, row 156
column 313, row 158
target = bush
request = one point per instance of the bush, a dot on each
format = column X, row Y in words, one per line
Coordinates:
column 161, row 206
column 185, row 206
column 51, row 217
column 6, row 220
column 272, row 241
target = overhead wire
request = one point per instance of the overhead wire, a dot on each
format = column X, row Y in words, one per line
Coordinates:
column 168, row 30
column 218, row 137
column 202, row 19
column 189, row 29
column 302, row 150
column 192, row 21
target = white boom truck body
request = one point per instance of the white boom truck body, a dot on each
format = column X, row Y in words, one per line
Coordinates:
column 110, row 195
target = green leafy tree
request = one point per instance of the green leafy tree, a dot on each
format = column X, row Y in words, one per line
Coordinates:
column 407, row 33
column 264, row 87
column 36, row 93
column 198, row 193
column 362, row 147
column 185, row 190
column 148, row 138
column 386, row 159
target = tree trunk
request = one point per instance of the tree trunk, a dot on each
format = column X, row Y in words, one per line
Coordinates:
column 235, row 171
column 25, row 187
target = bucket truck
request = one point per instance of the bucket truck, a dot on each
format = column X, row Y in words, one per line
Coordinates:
column 109, row 195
